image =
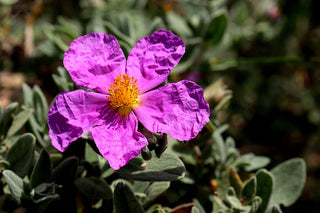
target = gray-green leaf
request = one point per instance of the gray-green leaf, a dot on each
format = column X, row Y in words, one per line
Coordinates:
column 166, row 168
column 94, row 188
column 125, row 200
column 249, row 190
column 42, row 170
column 19, row 120
column 289, row 180
column 265, row 185
column 21, row 154
column 216, row 28
column 154, row 190
column 16, row 185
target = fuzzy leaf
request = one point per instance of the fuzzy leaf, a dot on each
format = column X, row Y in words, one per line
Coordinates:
column 274, row 209
column 195, row 210
column 216, row 28
column 44, row 193
column 140, row 186
column 235, row 181
column 289, row 180
column 40, row 105
column 198, row 205
column 42, row 170
column 178, row 24
column 90, row 155
column 154, row 190
column 63, row 80
column 218, row 204
column 265, row 187
column 125, row 200
column 167, row 168
column 21, row 154
column 220, row 150
column 65, row 172
column 256, row 202
column 249, row 190
column 16, row 185
column 6, row 119
column 19, row 120
column 27, row 95
column 94, row 188
column 250, row 162
column 235, row 202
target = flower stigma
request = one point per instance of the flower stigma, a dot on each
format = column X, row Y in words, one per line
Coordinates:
column 124, row 94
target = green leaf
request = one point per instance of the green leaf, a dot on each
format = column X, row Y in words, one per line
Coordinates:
column 265, row 185
column 63, row 81
column 33, row 97
column 16, row 185
column 195, row 210
column 274, row 209
column 218, row 204
column 216, row 28
column 125, row 200
column 166, row 168
column 42, row 170
column 68, row 27
column 21, row 154
column 256, row 202
column 111, row 29
column 27, row 95
column 178, row 24
column 250, row 162
column 65, row 172
column 40, row 105
column 94, row 188
column 198, row 205
column 44, row 193
column 249, row 190
column 19, row 120
column 55, row 38
column 154, row 190
column 289, row 180
column 6, row 119
column 183, row 151
column 35, row 128
column 90, row 155
column 235, row 202
column 3, row 163
column 235, row 181
column 220, row 150
column 140, row 186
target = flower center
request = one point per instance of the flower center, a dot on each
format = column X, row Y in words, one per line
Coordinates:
column 124, row 94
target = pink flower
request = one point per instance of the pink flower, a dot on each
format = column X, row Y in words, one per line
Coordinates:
column 123, row 96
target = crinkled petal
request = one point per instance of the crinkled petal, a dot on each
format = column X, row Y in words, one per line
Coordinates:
column 152, row 58
column 118, row 140
column 94, row 61
column 73, row 113
column 178, row 109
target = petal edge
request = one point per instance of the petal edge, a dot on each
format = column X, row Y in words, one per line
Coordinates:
column 152, row 58
column 178, row 109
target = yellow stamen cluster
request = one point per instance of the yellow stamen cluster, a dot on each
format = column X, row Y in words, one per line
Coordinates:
column 124, row 94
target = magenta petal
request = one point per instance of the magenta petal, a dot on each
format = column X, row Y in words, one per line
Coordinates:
column 72, row 114
column 118, row 140
column 94, row 61
column 152, row 58
column 178, row 109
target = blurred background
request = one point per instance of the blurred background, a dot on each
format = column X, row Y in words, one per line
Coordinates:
column 263, row 55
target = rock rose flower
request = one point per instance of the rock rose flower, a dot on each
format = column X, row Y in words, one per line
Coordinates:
column 120, row 95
